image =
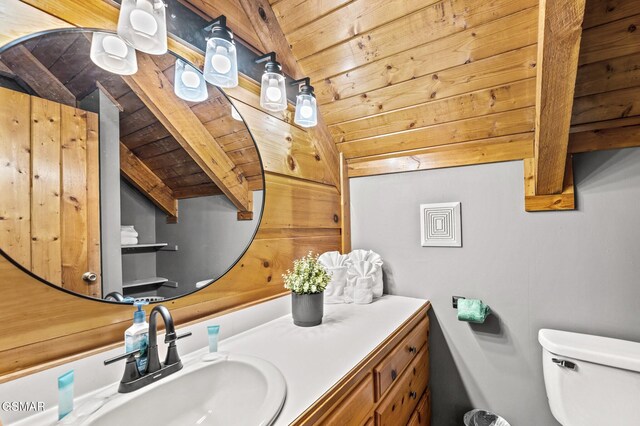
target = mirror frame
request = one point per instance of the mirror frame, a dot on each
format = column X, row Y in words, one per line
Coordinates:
column 25, row 38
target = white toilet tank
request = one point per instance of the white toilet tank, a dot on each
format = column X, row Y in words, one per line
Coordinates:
column 591, row 380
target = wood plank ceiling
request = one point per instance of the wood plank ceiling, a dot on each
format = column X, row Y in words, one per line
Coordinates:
column 418, row 84
column 71, row 76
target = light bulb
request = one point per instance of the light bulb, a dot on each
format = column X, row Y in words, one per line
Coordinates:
column 111, row 53
column 273, row 91
column 306, row 111
column 114, row 46
column 220, row 60
column 143, row 22
column 190, row 79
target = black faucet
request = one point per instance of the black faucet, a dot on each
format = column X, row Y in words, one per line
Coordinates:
column 132, row 379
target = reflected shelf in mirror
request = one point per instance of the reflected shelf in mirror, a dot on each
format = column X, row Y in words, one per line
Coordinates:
column 103, row 150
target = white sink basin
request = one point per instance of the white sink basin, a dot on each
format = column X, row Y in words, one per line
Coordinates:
column 229, row 390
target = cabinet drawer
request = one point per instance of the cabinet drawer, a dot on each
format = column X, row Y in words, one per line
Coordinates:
column 356, row 408
column 390, row 368
column 399, row 404
column 422, row 415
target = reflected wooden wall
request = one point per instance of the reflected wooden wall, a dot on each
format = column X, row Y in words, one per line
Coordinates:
column 50, row 201
column 302, row 212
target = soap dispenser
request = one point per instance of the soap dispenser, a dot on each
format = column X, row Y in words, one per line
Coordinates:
column 137, row 336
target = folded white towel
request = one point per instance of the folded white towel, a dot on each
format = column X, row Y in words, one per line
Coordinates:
column 336, row 265
column 374, row 258
column 128, row 241
column 363, row 292
column 128, row 231
column 347, row 294
column 334, row 293
column 333, row 259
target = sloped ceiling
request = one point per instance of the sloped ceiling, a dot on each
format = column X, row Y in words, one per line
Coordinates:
column 417, row 84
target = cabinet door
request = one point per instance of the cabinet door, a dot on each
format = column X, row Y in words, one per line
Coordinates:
column 356, row 408
column 390, row 369
column 422, row 415
column 398, row 406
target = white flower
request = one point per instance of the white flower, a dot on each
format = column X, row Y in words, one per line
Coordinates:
column 308, row 276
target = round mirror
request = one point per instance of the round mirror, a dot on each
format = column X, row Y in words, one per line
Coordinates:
column 125, row 176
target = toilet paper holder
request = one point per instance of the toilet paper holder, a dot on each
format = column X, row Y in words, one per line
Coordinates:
column 454, row 301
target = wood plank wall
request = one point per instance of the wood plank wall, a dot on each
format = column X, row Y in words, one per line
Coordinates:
column 413, row 84
column 51, row 206
column 302, row 212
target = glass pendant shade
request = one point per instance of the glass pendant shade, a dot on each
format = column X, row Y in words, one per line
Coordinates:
column 143, row 24
column 235, row 114
column 189, row 83
column 111, row 53
column 273, row 95
column 306, row 110
column 221, row 63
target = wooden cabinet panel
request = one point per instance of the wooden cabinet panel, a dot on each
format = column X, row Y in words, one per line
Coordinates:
column 397, row 407
column 390, row 369
column 355, row 408
column 422, row 415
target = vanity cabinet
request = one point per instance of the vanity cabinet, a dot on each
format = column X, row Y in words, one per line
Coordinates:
column 389, row 387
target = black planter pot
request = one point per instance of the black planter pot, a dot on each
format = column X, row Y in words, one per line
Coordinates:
column 307, row 309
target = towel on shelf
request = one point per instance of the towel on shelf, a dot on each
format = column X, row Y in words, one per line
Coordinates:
column 128, row 231
column 374, row 258
column 361, row 275
column 128, row 235
column 128, row 241
column 336, row 265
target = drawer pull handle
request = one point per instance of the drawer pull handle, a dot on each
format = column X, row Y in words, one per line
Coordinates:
column 394, row 374
column 413, row 395
column 413, row 349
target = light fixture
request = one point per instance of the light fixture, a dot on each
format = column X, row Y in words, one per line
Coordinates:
column 235, row 114
column 306, row 106
column 189, row 83
column 221, row 62
column 111, row 53
column 273, row 94
column 143, row 24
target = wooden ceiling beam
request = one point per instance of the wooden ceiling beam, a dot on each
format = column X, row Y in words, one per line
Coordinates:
column 273, row 39
column 156, row 91
column 147, row 182
column 46, row 85
column 559, row 34
column 552, row 202
column 604, row 139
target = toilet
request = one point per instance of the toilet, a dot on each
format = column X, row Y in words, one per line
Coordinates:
column 591, row 380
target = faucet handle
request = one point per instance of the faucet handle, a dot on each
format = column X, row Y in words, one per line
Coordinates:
column 182, row 336
column 172, row 350
column 122, row 356
column 131, row 371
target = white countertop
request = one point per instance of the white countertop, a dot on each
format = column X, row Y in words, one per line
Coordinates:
column 313, row 359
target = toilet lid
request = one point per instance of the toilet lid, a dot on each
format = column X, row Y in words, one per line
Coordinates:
column 599, row 350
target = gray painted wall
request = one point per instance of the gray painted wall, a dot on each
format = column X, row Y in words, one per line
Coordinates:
column 138, row 211
column 573, row 271
column 209, row 238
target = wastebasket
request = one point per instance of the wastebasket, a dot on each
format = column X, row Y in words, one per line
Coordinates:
column 483, row 418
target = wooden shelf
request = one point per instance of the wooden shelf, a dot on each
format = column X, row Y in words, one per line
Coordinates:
column 146, row 248
column 157, row 281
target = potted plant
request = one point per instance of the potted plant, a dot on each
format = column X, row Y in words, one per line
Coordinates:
column 307, row 282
